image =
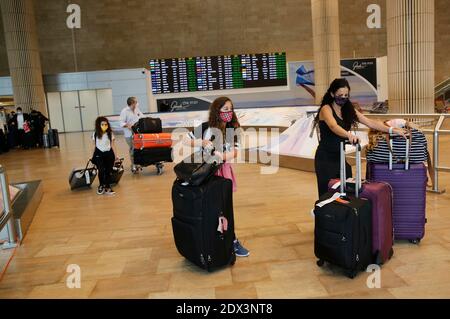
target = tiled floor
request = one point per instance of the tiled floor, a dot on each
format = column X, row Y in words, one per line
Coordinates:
column 124, row 245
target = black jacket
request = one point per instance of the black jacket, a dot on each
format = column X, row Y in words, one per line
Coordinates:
column 37, row 119
column 12, row 123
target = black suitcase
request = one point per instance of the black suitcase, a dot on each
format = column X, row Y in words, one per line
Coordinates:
column 343, row 228
column 151, row 156
column 117, row 172
column 83, row 177
column 198, row 211
column 28, row 140
column 148, row 125
column 4, row 147
column 53, row 137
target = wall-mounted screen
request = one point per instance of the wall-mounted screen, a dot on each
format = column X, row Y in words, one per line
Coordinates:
column 218, row 72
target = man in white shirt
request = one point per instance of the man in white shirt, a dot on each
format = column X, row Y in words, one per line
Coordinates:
column 128, row 117
column 3, row 121
column 17, row 123
column 3, row 134
column 20, row 120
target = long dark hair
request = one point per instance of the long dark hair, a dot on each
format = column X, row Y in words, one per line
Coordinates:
column 348, row 110
column 216, row 122
column 98, row 128
column 214, row 114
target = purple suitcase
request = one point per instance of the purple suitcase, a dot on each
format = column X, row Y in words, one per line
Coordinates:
column 409, row 182
column 409, row 196
column 380, row 194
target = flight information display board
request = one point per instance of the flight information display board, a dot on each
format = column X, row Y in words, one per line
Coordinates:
column 218, row 72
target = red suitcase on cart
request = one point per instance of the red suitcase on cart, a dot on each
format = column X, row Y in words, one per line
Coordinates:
column 160, row 140
column 380, row 194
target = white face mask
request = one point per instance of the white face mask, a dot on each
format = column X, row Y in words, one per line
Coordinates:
column 397, row 123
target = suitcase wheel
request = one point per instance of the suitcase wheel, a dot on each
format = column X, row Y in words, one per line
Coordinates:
column 351, row 274
column 391, row 253
column 378, row 258
column 415, row 241
column 159, row 168
column 320, row 262
column 136, row 169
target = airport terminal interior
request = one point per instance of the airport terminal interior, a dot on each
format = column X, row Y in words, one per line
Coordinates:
column 72, row 63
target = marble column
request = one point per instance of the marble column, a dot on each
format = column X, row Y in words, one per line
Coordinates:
column 410, row 44
column 23, row 54
column 325, row 23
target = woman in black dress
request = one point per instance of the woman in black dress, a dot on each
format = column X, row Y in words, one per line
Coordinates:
column 336, row 117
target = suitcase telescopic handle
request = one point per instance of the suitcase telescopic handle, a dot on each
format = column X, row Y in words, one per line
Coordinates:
column 358, row 181
column 391, row 150
column 87, row 165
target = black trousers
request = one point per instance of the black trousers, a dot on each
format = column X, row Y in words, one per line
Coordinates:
column 104, row 162
column 327, row 166
column 21, row 138
column 38, row 133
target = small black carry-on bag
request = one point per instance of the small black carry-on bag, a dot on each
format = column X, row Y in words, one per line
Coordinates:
column 83, row 177
column 117, row 171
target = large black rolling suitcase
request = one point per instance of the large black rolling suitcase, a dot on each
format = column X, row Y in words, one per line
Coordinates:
column 343, row 227
column 53, row 137
column 148, row 125
column 83, row 177
column 203, row 222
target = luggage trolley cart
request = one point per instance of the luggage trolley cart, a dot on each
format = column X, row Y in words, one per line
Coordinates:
column 151, row 145
column 146, row 160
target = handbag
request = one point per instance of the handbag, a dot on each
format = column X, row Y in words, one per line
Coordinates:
column 197, row 168
column 26, row 127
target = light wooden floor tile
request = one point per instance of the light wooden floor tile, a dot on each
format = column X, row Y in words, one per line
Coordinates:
column 125, row 249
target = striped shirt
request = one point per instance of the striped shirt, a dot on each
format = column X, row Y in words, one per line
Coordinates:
column 417, row 153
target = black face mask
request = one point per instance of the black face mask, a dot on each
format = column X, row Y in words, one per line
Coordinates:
column 340, row 100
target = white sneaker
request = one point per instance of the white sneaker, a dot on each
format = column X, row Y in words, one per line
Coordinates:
column 109, row 191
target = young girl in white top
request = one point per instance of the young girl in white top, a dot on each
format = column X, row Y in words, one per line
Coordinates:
column 104, row 155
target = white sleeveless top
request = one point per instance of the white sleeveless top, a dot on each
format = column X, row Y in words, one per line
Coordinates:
column 103, row 143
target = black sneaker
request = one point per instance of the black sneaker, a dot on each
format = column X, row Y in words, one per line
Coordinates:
column 100, row 190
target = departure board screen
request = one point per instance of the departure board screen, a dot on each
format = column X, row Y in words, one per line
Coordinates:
column 218, row 72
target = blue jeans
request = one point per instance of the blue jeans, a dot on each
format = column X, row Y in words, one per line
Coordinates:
column 129, row 141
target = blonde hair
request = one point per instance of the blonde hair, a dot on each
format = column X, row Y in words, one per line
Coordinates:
column 375, row 136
